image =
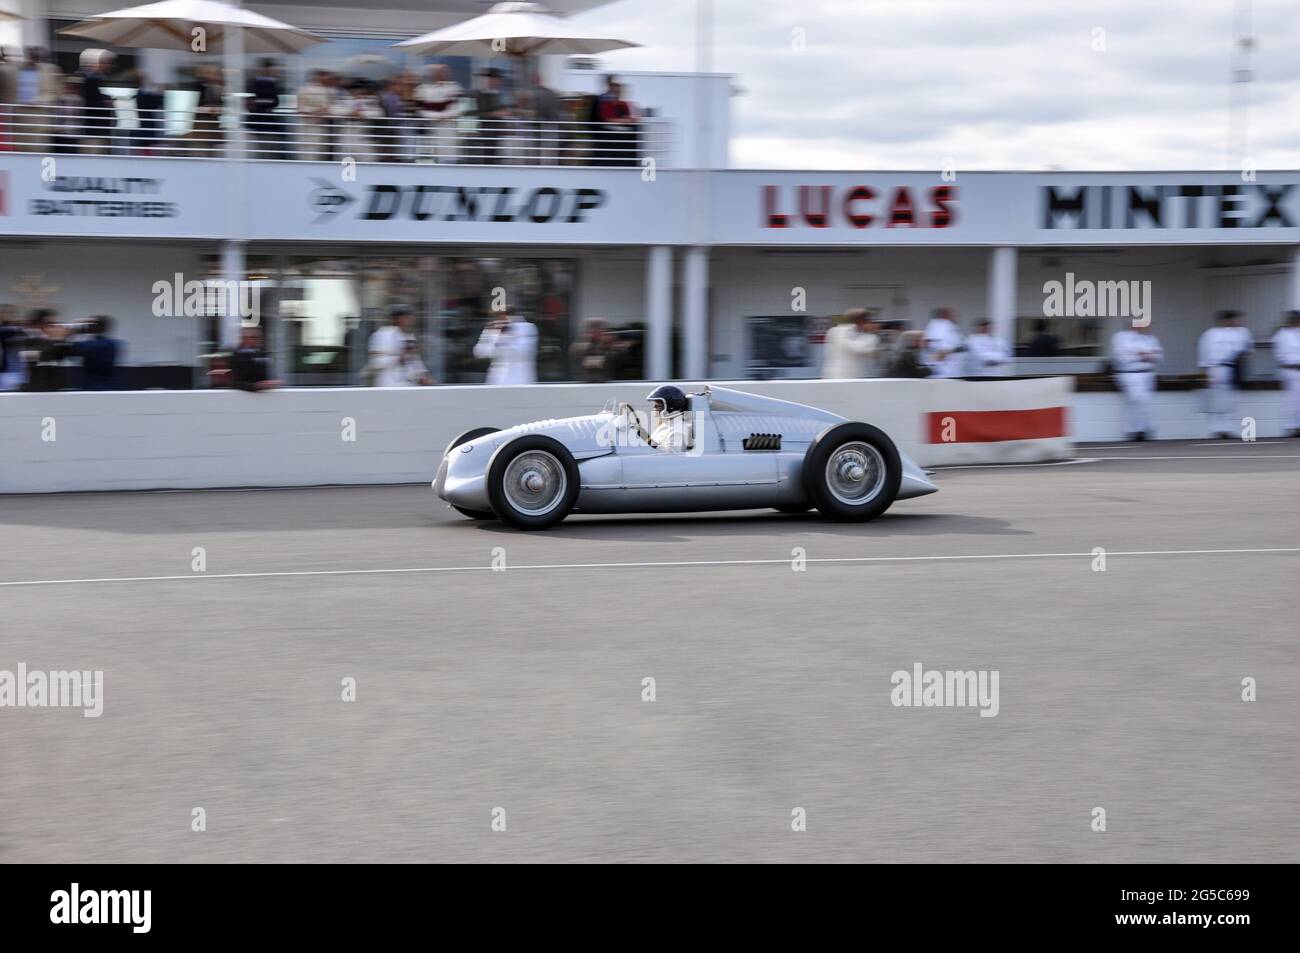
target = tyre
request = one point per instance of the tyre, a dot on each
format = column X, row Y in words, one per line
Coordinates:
column 466, row 437
column 851, row 472
column 532, row 482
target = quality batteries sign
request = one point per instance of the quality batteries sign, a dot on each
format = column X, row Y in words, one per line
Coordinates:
column 109, row 196
column 103, row 197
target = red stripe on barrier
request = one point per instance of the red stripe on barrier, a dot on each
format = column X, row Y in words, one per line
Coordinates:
column 988, row 426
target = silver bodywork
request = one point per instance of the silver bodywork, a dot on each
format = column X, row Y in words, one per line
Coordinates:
column 622, row 474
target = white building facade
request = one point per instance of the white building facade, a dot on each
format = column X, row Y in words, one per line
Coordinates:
column 709, row 273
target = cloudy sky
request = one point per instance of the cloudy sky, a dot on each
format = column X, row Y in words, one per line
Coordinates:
column 1024, row 84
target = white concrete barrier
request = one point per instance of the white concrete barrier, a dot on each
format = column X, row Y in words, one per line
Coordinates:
column 299, row 437
column 1175, row 415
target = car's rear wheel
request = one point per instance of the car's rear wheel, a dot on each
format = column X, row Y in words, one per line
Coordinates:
column 466, row 437
column 532, row 482
column 852, row 471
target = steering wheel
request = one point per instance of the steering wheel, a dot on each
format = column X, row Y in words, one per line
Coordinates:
column 635, row 422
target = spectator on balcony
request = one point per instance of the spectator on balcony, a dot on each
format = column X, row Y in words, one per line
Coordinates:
column 38, row 86
column 438, row 101
column 66, row 123
column 8, row 94
column 314, row 101
column 98, row 118
column 393, row 135
column 622, row 124
column 264, row 119
column 546, row 111
column 207, row 112
column 149, row 104
column 493, row 113
column 356, row 114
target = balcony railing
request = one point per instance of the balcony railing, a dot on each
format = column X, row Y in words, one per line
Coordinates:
column 201, row 133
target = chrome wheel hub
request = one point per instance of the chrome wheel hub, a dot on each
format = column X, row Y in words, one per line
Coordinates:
column 855, row 473
column 535, row 483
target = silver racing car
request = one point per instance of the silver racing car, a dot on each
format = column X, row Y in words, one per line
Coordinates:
column 719, row 449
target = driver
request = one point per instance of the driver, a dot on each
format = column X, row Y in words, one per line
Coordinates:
column 668, row 406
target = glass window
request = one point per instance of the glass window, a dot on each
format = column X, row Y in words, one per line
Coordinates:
column 328, row 308
column 1037, row 336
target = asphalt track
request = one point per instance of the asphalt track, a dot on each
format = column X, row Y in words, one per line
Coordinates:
column 522, row 689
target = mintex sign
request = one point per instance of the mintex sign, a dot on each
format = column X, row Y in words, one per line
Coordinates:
column 1191, row 205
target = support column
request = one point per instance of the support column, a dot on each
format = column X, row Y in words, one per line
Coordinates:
column 1002, row 297
column 659, row 313
column 232, row 249
column 695, row 319
column 233, row 271
column 1293, row 281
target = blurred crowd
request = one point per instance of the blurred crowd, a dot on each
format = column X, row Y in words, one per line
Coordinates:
column 42, row 353
column 860, row 345
column 404, row 117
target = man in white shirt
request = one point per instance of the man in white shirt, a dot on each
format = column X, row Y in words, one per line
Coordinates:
column 986, row 355
column 439, row 103
column 1134, row 354
column 388, row 349
column 1218, row 353
column 944, row 348
column 849, row 351
column 511, row 346
column 1286, row 353
column 314, row 102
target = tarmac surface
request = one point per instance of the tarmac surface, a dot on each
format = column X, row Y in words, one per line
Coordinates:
column 522, row 689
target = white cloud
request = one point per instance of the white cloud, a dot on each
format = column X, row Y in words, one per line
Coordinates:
column 1011, row 84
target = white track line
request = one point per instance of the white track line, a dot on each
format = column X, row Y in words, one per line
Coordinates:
column 1209, row 456
column 1016, row 466
column 647, row 565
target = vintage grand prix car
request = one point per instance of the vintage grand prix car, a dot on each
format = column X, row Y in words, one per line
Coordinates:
column 736, row 451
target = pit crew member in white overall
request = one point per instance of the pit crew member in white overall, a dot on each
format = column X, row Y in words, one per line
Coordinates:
column 1134, row 353
column 1286, row 353
column 1218, row 353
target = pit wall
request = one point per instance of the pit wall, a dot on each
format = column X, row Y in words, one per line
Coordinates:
column 136, row 440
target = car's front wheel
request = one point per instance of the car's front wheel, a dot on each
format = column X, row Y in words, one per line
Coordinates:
column 532, row 482
column 852, row 472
